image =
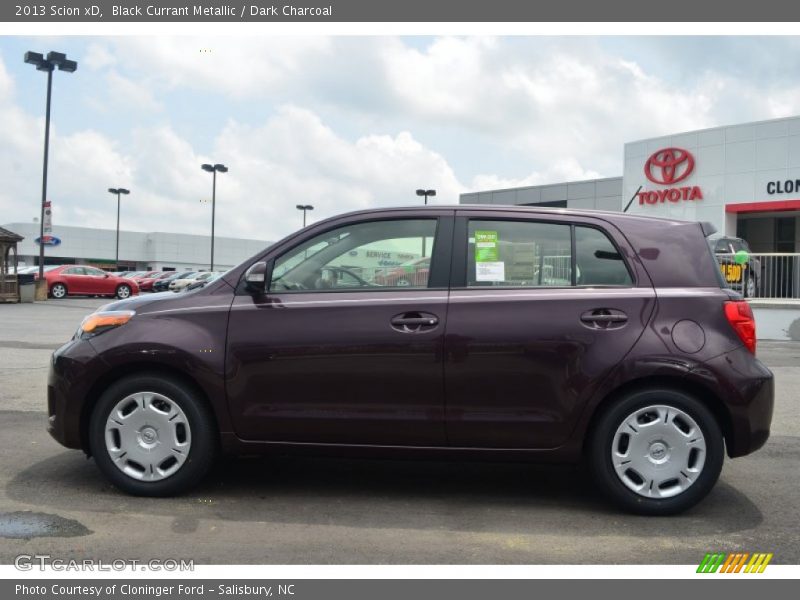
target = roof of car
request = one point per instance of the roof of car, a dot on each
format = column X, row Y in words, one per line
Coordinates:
column 604, row 214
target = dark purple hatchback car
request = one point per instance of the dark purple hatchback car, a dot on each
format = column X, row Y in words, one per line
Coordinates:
column 530, row 334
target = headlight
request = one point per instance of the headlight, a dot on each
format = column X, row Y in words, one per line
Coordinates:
column 102, row 321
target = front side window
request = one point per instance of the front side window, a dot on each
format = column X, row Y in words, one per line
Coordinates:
column 362, row 256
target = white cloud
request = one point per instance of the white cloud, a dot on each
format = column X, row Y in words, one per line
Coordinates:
column 98, row 56
column 557, row 172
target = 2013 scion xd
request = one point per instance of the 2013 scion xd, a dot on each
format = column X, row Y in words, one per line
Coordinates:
column 530, row 334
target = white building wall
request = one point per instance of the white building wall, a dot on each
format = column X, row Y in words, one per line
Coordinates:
column 597, row 194
column 156, row 250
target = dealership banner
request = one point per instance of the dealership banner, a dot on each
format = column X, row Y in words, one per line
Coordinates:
column 152, row 11
column 47, row 224
column 397, row 589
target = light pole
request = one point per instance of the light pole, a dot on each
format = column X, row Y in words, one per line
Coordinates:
column 118, row 191
column 48, row 65
column 213, row 169
column 305, row 208
column 425, row 193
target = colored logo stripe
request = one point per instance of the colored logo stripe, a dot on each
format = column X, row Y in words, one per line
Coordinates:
column 734, row 563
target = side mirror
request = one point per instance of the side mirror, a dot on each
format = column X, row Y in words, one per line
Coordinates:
column 255, row 278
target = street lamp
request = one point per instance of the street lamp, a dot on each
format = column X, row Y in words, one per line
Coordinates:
column 213, row 169
column 426, row 193
column 47, row 64
column 118, row 191
column 304, row 208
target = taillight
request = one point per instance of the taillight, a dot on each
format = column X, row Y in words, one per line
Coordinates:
column 740, row 316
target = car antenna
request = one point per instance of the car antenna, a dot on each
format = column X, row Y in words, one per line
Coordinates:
column 628, row 205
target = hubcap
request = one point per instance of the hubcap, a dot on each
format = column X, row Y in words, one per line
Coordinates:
column 148, row 436
column 58, row 291
column 123, row 292
column 658, row 451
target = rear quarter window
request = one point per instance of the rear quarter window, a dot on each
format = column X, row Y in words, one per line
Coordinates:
column 598, row 262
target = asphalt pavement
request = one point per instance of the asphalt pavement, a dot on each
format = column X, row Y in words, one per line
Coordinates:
column 331, row 511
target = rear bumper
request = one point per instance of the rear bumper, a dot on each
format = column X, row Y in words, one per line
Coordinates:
column 747, row 389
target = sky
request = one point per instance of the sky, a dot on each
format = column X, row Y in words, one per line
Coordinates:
column 346, row 123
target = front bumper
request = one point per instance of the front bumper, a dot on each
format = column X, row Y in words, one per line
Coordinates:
column 68, row 387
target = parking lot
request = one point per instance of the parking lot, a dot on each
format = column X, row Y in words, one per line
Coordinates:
column 315, row 510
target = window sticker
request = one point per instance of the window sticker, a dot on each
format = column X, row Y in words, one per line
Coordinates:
column 488, row 266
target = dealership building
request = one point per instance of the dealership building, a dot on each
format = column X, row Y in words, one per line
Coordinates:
column 745, row 179
column 138, row 251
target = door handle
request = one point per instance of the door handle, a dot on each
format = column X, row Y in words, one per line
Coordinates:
column 400, row 321
column 604, row 318
column 414, row 322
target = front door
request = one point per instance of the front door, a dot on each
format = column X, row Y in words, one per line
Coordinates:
column 543, row 311
column 339, row 351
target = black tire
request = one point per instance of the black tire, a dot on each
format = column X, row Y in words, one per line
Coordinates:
column 601, row 442
column 58, row 295
column 749, row 283
column 204, row 435
column 123, row 296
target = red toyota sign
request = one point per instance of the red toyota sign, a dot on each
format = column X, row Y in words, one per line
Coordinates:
column 669, row 166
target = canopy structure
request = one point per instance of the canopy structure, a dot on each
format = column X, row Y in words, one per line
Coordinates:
column 9, row 287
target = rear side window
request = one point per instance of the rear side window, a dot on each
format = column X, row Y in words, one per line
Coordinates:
column 534, row 254
column 598, row 262
column 519, row 254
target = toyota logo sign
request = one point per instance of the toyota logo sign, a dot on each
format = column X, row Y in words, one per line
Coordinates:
column 669, row 165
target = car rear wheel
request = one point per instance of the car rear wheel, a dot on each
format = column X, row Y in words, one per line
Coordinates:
column 750, row 287
column 58, row 291
column 123, row 291
column 152, row 436
column 656, row 452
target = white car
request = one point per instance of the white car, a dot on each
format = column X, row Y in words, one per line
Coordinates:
column 176, row 285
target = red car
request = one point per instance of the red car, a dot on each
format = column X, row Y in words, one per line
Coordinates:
column 76, row 280
column 146, row 281
column 410, row 274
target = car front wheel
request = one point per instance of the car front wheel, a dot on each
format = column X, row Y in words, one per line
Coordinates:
column 152, row 436
column 657, row 452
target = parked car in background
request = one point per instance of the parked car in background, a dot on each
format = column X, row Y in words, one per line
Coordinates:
column 407, row 274
column 200, row 282
column 145, row 282
column 625, row 358
column 162, row 285
column 77, row 280
column 745, row 277
column 177, row 284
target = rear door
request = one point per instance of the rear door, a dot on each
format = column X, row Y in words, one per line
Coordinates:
column 76, row 280
column 542, row 309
